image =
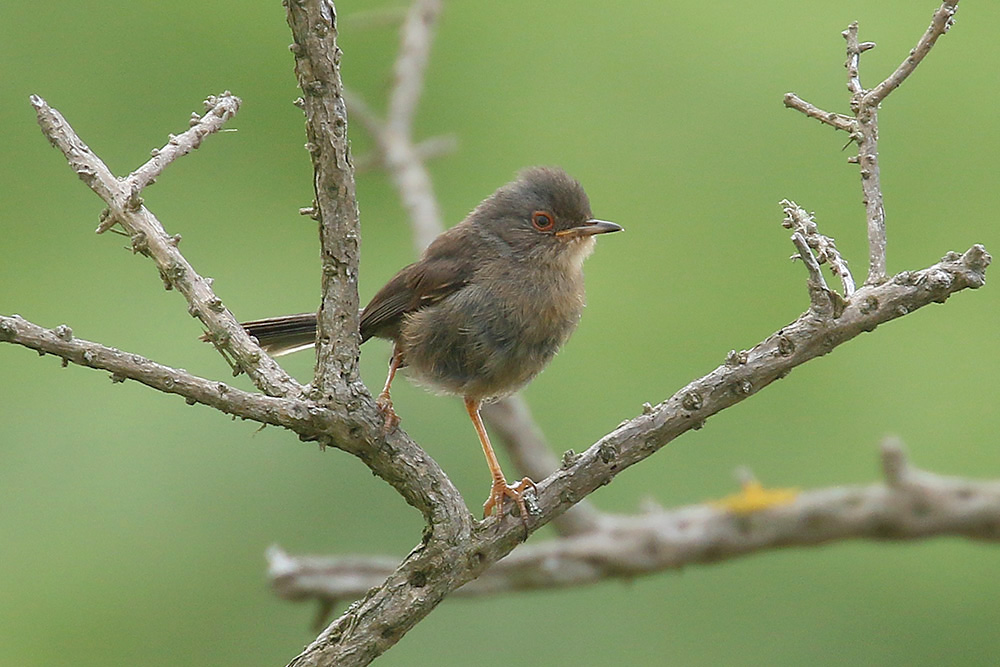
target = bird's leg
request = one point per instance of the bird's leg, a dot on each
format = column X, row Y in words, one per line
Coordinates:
column 384, row 400
column 500, row 487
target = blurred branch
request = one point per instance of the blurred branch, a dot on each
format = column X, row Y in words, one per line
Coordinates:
column 909, row 505
column 426, row 150
column 402, row 158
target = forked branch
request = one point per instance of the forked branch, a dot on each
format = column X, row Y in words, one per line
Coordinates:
column 863, row 127
column 125, row 207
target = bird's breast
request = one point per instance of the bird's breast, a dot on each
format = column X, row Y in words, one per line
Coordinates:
column 494, row 335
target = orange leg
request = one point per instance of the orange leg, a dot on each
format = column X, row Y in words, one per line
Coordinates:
column 384, row 400
column 500, row 488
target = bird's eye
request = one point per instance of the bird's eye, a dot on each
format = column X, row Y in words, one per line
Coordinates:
column 543, row 221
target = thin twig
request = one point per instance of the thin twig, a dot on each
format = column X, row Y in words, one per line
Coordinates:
column 818, row 291
column 867, row 139
column 853, row 59
column 218, row 110
column 797, row 219
column 943, row 19
column 836, row 120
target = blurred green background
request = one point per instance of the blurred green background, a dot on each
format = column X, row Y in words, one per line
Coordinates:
column 133, row 527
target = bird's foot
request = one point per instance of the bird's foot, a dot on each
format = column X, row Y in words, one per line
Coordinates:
column 384, row 405
column 501, row 489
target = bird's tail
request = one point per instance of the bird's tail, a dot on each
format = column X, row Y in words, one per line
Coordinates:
column 283, row 335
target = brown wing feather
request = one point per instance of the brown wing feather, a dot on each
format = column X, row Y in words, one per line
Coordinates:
column 381, row 316
column 417, row 286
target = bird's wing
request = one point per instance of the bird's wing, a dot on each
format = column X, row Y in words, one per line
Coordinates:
column 417, row 286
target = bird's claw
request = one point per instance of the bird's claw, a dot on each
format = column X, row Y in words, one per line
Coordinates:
column 384, row 405
column 501, row 489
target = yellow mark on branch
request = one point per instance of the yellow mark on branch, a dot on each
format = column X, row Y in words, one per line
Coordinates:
column 754, row 497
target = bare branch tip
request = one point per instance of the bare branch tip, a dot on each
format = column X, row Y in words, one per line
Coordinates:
column 279, row 563
column 895, row 465
column 310, row 212
column 977, row 257
column 744, row 475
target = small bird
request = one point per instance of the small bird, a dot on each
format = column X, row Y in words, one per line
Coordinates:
column 486, row 307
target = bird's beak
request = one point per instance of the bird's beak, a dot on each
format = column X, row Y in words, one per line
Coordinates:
column 589, row 228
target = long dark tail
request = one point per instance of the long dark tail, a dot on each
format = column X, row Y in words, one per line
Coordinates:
column 284, row 335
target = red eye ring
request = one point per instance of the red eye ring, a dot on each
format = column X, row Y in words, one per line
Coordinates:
column 543, row 221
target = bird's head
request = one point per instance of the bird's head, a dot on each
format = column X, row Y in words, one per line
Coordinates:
column 543, row 215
